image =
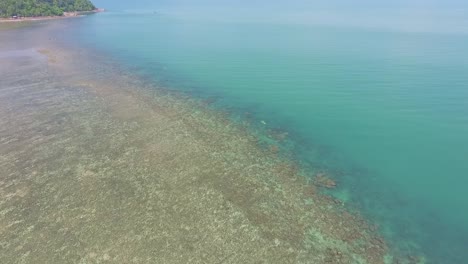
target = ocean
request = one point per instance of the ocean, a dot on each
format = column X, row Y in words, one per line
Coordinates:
column 96, row 169
column 383, row 112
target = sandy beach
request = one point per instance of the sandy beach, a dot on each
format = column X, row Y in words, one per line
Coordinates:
column 99, row 166
column 26, row 19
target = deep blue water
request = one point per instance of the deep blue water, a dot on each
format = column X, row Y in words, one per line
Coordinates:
column 384, row 112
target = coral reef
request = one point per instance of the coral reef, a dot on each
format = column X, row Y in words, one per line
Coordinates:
column 101, row 166
column 322, row 180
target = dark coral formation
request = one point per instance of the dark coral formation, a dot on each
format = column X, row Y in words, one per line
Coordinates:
column 322, row 180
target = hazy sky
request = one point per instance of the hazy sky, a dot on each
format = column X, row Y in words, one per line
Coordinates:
column 407, row 15
column 349, row 4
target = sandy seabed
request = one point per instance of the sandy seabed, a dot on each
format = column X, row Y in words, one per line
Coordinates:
column 98, row 166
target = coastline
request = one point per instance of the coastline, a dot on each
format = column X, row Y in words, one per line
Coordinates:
column 253, row 186
column 45, row 18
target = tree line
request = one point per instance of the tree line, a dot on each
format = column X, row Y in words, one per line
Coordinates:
column 29, row 8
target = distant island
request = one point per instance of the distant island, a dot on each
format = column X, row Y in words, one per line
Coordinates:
column 43, row 8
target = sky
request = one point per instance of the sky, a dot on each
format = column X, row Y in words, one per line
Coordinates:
column 349, row 4
column 446, row 16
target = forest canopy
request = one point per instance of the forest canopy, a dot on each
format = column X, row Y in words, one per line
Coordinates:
column 29, row 8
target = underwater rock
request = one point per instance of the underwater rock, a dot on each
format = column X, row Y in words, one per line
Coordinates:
column 274, row 149
column 278, row 135
column 333, row 256
column 322, row 180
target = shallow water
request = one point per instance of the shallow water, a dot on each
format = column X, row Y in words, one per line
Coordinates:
column 384, row 112
column 101, row 165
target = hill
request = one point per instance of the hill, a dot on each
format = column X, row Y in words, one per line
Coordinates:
column 32, row 8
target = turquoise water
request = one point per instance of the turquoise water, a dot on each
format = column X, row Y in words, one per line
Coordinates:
column 384, row 112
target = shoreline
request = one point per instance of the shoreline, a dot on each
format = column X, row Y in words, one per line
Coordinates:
column 45, row 18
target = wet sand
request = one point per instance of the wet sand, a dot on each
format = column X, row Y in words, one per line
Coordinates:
column 98, row 166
